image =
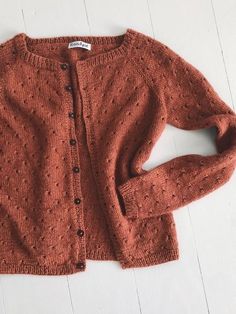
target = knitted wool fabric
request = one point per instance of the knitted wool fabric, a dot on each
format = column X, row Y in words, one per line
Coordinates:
column 77, row 124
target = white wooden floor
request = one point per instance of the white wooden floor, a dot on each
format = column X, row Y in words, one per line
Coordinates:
column 203, row 280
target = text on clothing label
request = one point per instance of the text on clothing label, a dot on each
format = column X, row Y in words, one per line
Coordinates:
column 79, row 43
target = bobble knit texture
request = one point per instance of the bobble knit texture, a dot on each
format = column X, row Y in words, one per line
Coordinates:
column 124, row 91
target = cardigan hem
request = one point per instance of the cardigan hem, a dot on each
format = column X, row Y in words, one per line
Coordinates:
column 163, row 256
column 38, row 269
column 152, row 259
column 102, row 256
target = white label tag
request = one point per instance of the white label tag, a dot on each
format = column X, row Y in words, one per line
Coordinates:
column 79, row 43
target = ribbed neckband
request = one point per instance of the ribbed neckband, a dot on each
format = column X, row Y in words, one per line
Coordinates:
column 22, row 40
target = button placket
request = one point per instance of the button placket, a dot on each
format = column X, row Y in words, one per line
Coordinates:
column 81, row 259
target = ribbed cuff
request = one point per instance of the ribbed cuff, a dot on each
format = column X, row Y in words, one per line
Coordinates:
column 129, row 199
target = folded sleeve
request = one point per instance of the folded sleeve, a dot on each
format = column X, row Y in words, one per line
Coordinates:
column 190, row 103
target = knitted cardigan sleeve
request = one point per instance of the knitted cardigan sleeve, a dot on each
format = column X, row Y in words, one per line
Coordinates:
column 190, row 103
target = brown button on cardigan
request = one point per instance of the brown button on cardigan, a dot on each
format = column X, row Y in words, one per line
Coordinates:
column 121, row 94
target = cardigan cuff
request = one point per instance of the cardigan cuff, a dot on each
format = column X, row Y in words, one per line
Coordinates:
column 141, row 201
column 129, row 199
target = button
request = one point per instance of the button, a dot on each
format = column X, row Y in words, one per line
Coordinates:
column 80, row 232
column 71, row 114
column 76, row 169
column 72, row 141
column 64, row 66
column 68, row 87
column 80, row 265
column 77, row 200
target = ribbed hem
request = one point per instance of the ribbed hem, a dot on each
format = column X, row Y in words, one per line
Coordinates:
column 22, row 40
column 154, row 259
column 100, row 256
column 162, row 256
column 38, row 270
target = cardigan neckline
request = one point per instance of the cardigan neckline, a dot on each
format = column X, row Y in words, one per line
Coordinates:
column 22, row 40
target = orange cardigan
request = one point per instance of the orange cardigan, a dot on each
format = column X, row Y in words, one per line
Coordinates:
column 79, row 117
